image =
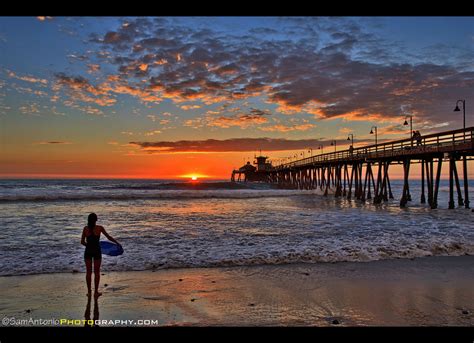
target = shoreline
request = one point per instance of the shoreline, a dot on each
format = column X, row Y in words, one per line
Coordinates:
column 230, row 267
column 433, row 291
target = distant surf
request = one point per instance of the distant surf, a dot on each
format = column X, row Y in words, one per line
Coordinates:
column 163, row 195
column 92, row 190
column 190, row 185
column 172, row 224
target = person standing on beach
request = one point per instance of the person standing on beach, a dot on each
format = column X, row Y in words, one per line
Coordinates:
column 90, row 239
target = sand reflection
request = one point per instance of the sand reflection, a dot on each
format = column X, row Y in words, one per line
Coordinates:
column 87, row 314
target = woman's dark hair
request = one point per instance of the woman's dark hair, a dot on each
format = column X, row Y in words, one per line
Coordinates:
column 91, row 220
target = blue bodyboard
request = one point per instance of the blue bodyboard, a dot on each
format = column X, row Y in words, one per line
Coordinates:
column 111, row 249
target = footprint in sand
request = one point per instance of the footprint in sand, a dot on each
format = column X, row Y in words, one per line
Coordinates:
column 156, row 298
column 117, row 288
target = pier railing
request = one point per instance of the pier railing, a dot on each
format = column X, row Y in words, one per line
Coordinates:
column 448, row 141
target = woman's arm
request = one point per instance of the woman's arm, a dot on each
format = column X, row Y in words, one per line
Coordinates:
column 83, row 238
column 109, row 237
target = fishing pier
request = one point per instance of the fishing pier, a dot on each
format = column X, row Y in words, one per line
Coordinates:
column 363, row 173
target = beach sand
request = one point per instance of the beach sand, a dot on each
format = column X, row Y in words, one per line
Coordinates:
column 432, row 291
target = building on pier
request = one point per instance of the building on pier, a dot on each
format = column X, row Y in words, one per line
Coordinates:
column 250, row 173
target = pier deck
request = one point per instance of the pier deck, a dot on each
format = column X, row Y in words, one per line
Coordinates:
column 350, row 173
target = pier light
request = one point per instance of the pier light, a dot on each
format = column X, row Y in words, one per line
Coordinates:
column 321, row 148
column 411, row 126
column 333, row 143
column 457, row 109
column 351, row 138
column 372, row 132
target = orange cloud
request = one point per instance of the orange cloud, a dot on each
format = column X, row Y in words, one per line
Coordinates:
column 27, row 78
column 93, row 68
column 360, row 115
column 194, row 123
column 152, row 133
column 283, row 128
column 146, row 96
column 242, row 121
column 189, row 107
column 346, row 130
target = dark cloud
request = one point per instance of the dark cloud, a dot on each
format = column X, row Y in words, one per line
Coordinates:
column 54, row 143
column 257, row 112
column 80, row 89
column 230, row 145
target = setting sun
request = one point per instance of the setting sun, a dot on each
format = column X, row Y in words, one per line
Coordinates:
column 194, row 176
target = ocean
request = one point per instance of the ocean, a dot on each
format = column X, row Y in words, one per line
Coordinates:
column 179, row 224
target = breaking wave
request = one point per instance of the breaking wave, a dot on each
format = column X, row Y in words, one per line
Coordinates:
column 63, row 263
column 165, row 194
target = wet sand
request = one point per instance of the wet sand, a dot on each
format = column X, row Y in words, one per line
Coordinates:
column 433, row 291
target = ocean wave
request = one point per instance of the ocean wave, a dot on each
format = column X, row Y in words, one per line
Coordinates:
column 280, row 227
column 188, row 186
column 125, row 264
column 165, row 194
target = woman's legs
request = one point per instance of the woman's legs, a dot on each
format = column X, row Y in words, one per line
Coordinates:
column 88, row 274
column 97, row 263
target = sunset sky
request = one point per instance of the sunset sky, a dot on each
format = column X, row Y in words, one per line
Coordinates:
column 167, row 97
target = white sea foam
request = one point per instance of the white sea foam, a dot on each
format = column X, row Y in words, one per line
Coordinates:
column 220, row 227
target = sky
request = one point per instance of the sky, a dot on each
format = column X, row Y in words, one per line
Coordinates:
column 170, row 97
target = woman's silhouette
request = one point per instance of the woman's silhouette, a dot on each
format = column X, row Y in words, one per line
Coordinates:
column 90, row 238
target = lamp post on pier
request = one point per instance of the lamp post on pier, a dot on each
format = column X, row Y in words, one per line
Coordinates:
column 466, row 191
column 351, row 148
column 351, row 138
column 411, row 126
column 372, row 132
column 463, row 113
column 334, row 144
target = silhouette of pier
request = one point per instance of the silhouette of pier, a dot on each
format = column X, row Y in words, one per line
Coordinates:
column 363, row 173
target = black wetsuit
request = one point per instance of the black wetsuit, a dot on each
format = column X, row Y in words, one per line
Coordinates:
column 92, row 247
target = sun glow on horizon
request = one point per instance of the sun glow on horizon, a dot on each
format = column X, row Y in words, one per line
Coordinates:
column 194, row 176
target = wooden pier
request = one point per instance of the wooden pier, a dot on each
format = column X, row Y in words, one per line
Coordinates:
column 363, row 173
